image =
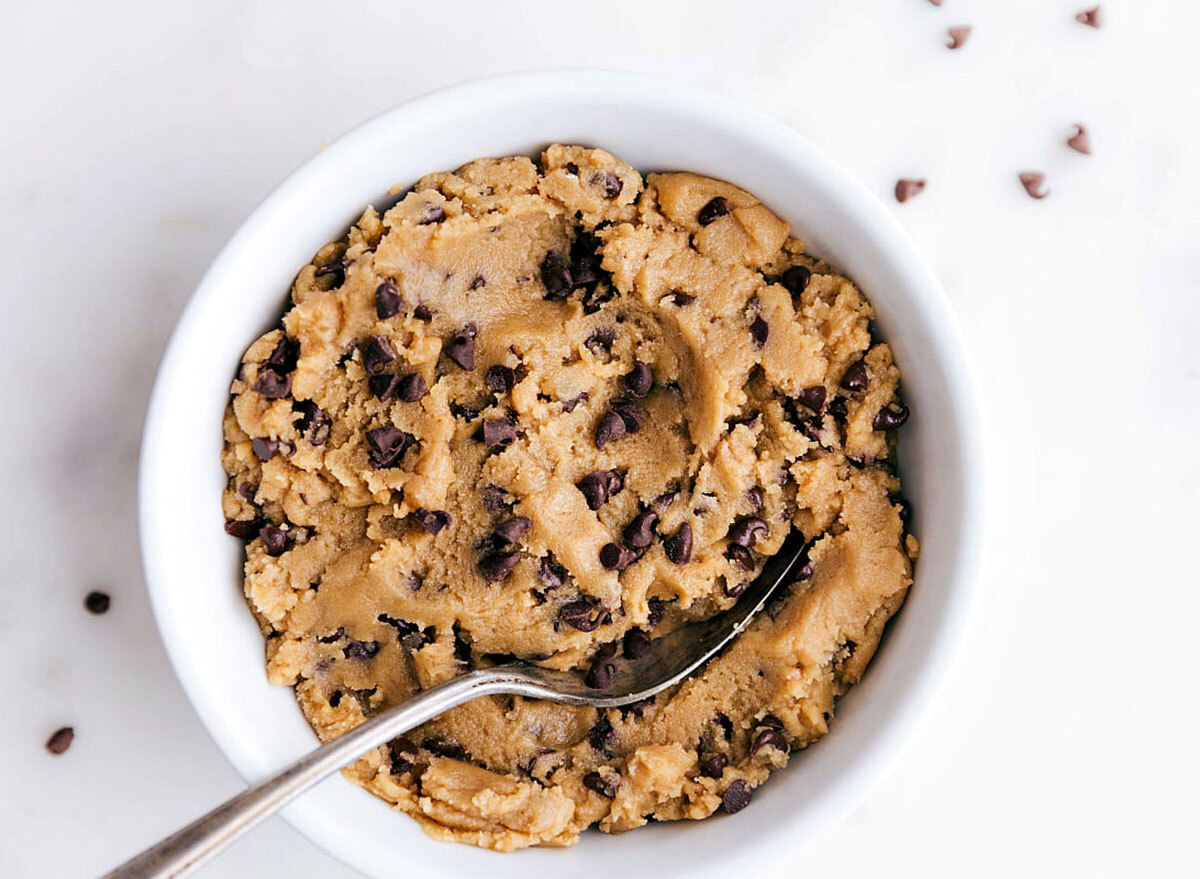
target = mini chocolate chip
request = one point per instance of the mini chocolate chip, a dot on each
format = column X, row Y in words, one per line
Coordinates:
column 603, row 668
column 890, row 417
column 958, row 36
column 718, row 207
column 639, row 533
column 432, row 521
column 795, row 279
column 1033, row 181
column 383, row 386
column 601, row 340
column 1090, row 17
column 272, row 385
column 360, row 649
column 907, row 188
column 242, row 529
column 759, row 330
column 582, row 614
column 612, row 183
column 434, row 213
column 635, row 644
column 611, row 427
column 274, row 539
column 403, row 753
column 444, row 747
column 61, row 740
column 812, row 398
column 97, row 602
column 769, row 738
column 335, row 635
column 1079, row 141
column 713, row 764
column 746, row 532
column 733, row 590
column 514, row 529
column 314, row 422
column 755, row 496
column 500, row 379
column 594, row 487
column 569, row 405
column 601, row 735
column 498, row 433
column 423, row 312
column 335, row 698
column 736, row 797
column 411, row 388
column 388, row 300
column 679, row 546
column 556, row 277
column 658, row 609
column 617, row 558
column 855, row 379
column 477, row 282
column 639, row 380
column 386, row 446
column 606, row 787
column 497, row 566
column 740, row 556
column 377, row 354
column 630, row 412
column 572, row 168
column 335, row 269
column 461, row 349
column 682, row 299
column 552, row 574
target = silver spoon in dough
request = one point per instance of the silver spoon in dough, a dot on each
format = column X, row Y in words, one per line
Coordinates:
column 669, row 660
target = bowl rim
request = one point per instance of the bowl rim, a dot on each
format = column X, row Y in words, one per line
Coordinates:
column 957, row 610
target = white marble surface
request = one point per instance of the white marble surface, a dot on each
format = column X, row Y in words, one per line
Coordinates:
column 134, row 137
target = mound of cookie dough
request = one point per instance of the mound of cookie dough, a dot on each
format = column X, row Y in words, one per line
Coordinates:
column 549, row 412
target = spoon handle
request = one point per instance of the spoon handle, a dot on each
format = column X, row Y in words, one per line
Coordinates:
column 184, row 851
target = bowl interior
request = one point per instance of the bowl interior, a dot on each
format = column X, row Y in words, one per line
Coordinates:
column 193, row 568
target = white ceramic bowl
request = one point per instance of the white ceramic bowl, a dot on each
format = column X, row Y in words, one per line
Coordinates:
column 193, row 568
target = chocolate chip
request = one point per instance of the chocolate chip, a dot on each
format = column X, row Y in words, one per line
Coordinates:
column 513, row 530
column 658, row 609
column 745, row 532
column 812, row 398
column 907, row 188
column 411, row 388
column 837, row 409
column 594, row 487
column 958, row 36
column 572, row 168
column 333, row 636
column 639, row 533
column 855, row 379
column 272, row 385
column 569, row 405
column 360, row 649
column 550, row 573
column 665, row 499
column 682, row 299
column 713, row 764
column 461, row 348
column 284, row 357
column 264, row 448
column 795, row 279
column 494, row 499
column 497, row 566
column 811, row 427
column 679, row 546
column 500, row 379
column 335, row 698
column 759, row 330
column 612, row 183
column 313, row 422
column 402, row 751
column 890, row 417
column 61, row 740
column 1033, row 181
column 242, row 529
column 556, row 277
column 383, row 386
column 423, row 312
column 640, row 379
column 582, row 614
column 444, row 747
column 635, row 644
column 460, row 410
column 736, row 797
column 477, row 282
column 718, row 207
column 498, row 433
column 1079, row 141
column 274, row 539
column 606, row 787
column 434, row 213
column 601, row 735
column 587, row 271
column 600, row 341
column 733, row 590
column 769, row 738
column 630, row 412
column 336, row 270
column 432, row 521
column 755, row 496
column 97, row 602
column 603, row 668
column 617, row 558
column 1090, row 17
column 377, row 354
column 388, row 300
column 615, row 482
column 611, row 427
column 740, row 556
column 770, row 721
column 386, row 446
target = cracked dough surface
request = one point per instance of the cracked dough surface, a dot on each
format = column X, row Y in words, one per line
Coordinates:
column 483, row 430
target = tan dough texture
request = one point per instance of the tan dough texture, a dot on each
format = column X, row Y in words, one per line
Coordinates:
column 406, row 455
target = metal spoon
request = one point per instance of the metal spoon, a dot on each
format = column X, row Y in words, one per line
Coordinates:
column 669, row 660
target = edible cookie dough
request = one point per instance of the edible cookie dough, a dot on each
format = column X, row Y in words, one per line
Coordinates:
column 549, row 411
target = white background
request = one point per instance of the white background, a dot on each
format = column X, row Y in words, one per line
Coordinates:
column 135, row 137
